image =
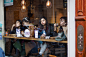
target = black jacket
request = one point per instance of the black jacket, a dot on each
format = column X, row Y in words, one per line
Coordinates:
column 50, row 31
column 14, row 30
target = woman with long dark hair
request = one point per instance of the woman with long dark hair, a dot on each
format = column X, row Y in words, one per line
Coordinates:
column 46, row 27
column 43, row 25
column 45, row 31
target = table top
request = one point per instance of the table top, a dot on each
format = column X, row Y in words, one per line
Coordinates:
column 52, row 39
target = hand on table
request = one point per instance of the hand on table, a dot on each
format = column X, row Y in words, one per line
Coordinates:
column 43, row 36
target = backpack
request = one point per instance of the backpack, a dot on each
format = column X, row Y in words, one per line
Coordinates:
column 2, row 54
column 61, row 36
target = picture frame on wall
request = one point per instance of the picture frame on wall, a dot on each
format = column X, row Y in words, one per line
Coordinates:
column 8, row 3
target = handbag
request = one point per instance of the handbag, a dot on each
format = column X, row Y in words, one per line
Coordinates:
column 61, row 36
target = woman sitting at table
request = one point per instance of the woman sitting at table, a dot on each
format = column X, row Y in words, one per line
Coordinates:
column 30, row 46
column 45, row 27
column 27, row 25
column 16, row 29
column 62, row 34
column 63, row 23
column 45, row 31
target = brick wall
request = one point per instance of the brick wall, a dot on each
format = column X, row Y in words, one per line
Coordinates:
column 14, row 13
column 39, row 9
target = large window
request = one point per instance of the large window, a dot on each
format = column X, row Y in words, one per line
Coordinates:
column 34, row 10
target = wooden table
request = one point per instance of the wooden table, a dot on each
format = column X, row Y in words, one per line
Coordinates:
column 36, row 39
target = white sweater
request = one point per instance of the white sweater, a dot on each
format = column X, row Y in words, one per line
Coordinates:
column 65, row 30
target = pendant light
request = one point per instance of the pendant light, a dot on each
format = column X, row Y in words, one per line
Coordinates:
column 23, row 4
column 23, row 9
column 48, row 4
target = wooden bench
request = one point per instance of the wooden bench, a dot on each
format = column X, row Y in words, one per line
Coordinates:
column 52, row 56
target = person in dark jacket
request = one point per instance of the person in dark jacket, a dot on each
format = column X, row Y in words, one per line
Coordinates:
column 45, row 31
column 49, row 28
column 15, row 26
column 16, row 29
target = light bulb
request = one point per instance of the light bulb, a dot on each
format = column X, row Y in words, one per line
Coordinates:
column 23, row 8
column 48, row 4
column 23, row 2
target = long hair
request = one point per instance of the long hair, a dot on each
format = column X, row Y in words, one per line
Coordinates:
column 41, row 26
